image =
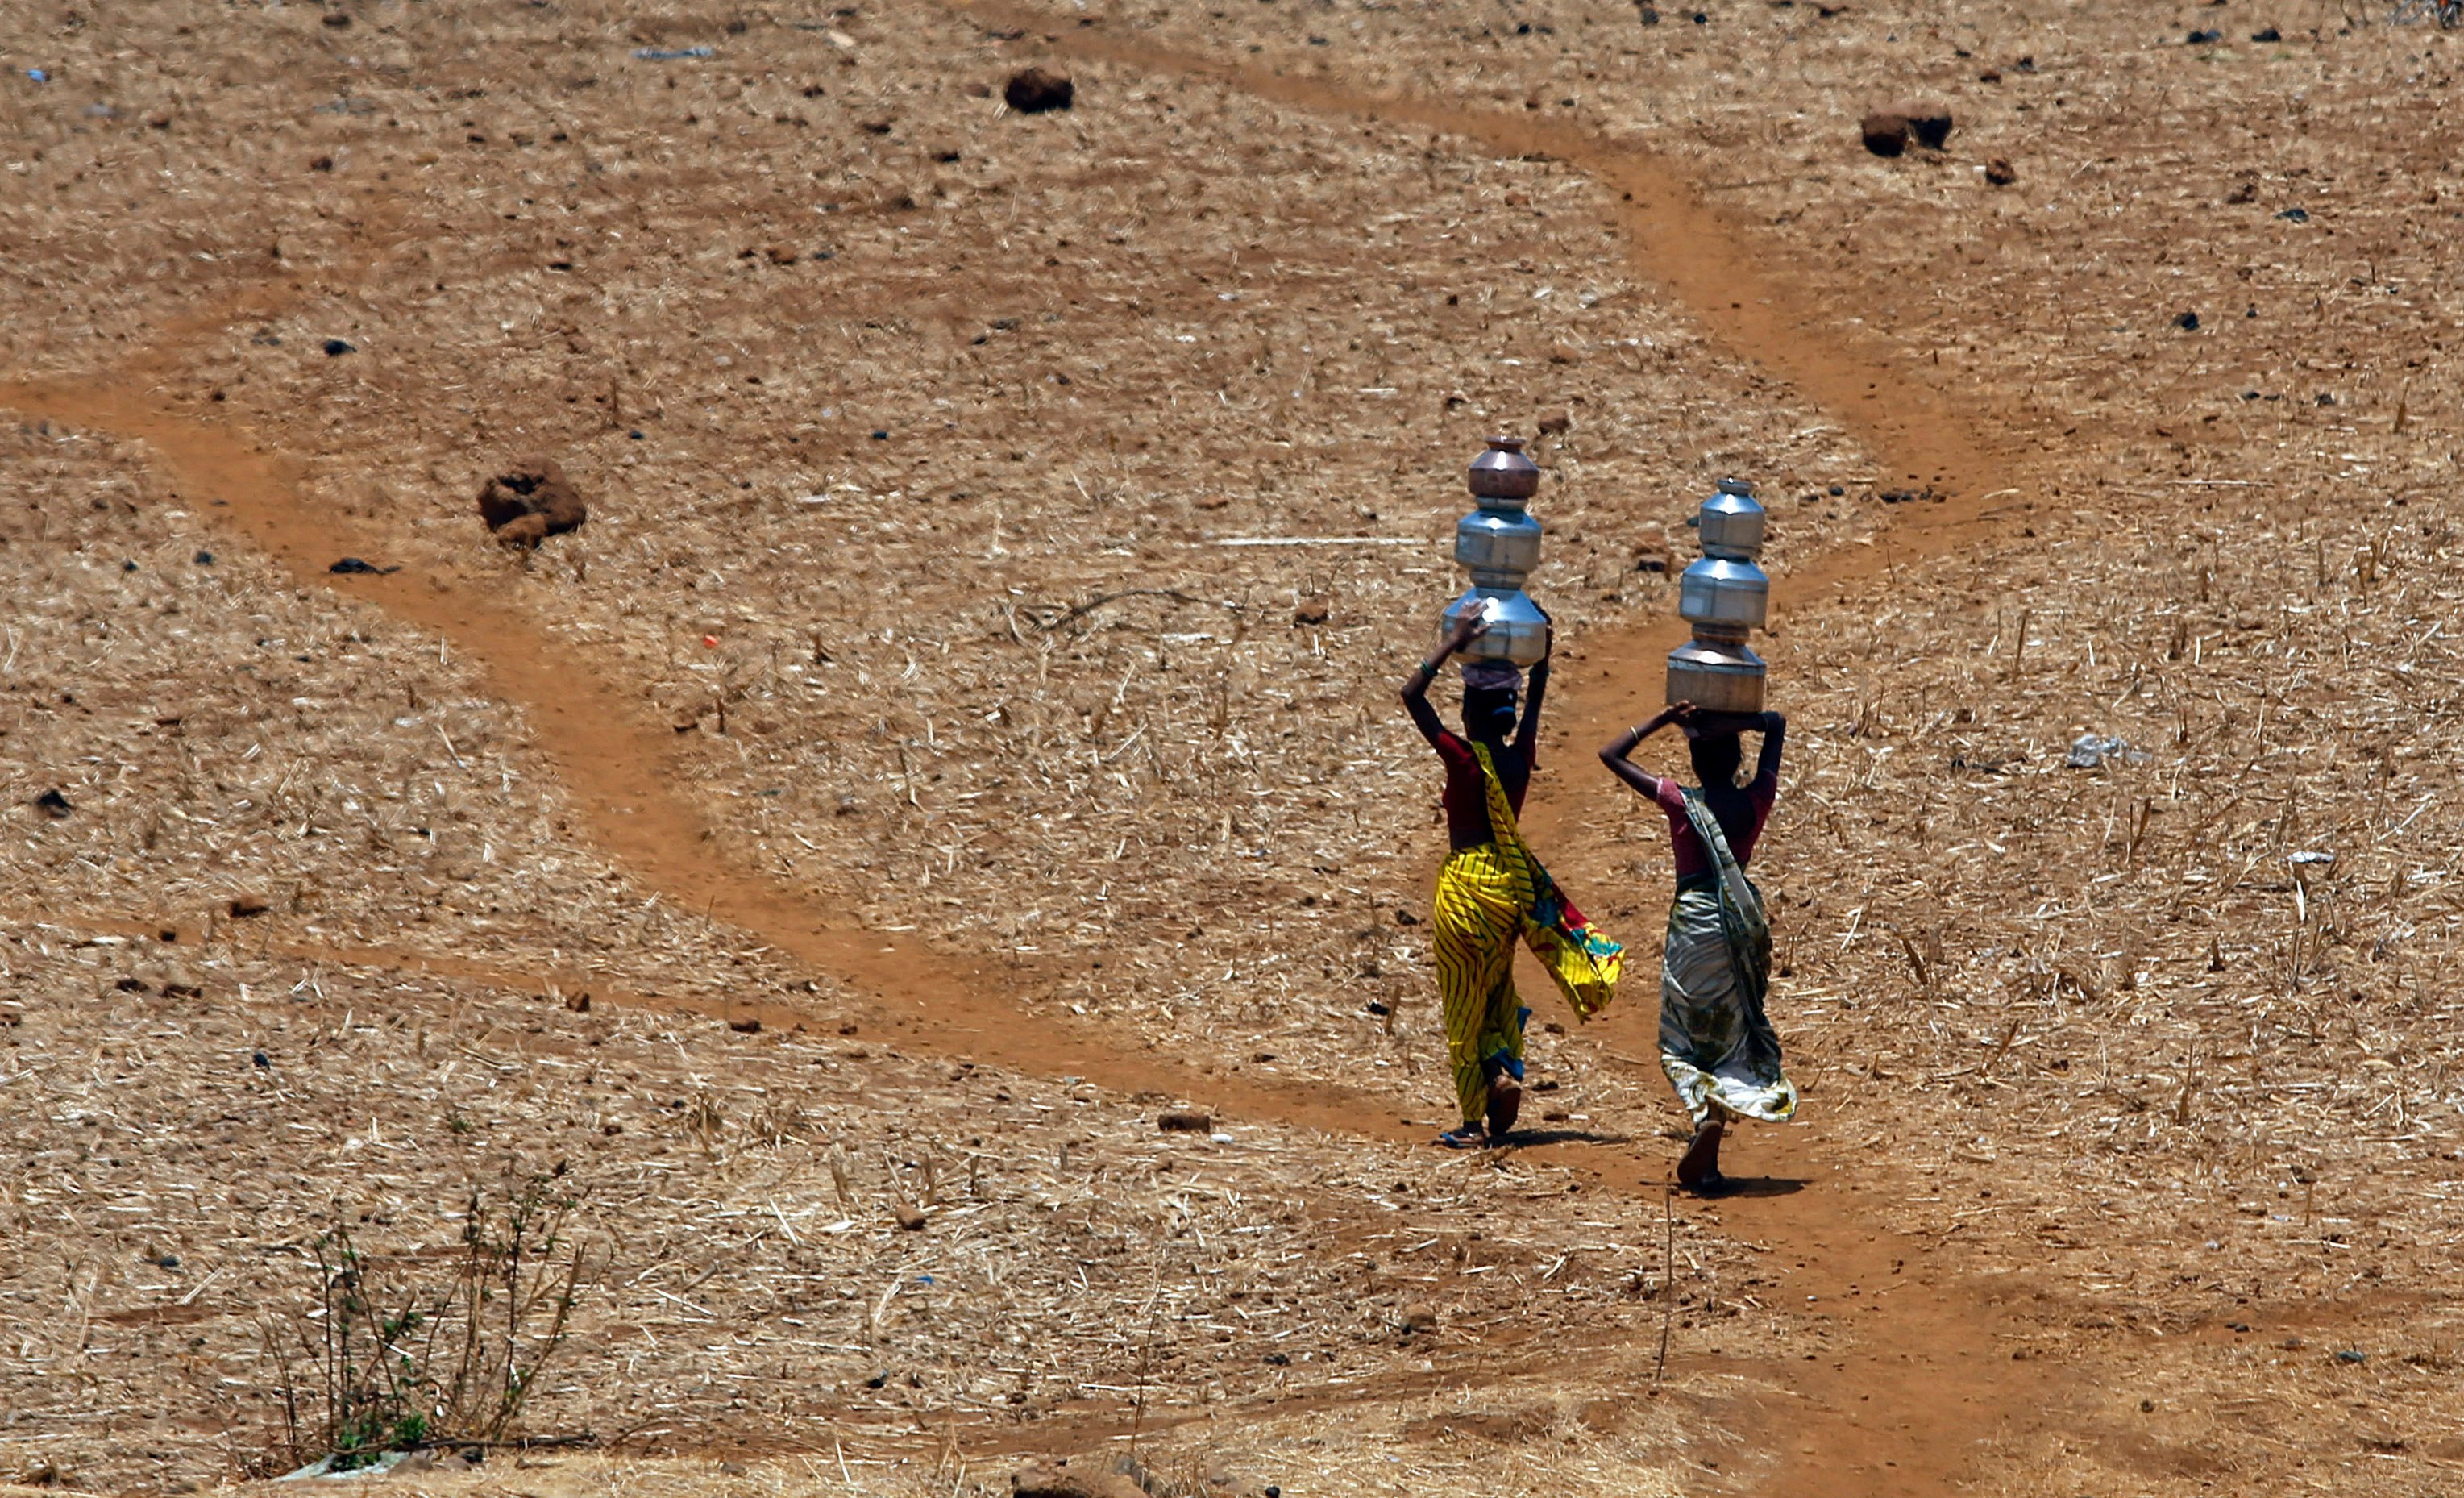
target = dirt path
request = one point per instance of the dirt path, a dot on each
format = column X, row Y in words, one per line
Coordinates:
column 1914, row 1385
column 1922, row 1381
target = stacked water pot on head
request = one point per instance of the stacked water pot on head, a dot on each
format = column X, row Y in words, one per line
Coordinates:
column 1724, row 596
column 1499, row 544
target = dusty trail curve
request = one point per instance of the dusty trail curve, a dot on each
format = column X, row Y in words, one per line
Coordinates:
column 1905, row 1411
column 1927, row 1381
column 622, row 773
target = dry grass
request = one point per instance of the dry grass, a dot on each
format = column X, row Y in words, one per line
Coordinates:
column 2205, row 1086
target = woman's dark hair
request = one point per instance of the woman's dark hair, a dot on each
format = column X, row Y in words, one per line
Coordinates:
column 1716, row 759
column 1488, row 712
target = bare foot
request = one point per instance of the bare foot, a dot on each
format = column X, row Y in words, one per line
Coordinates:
column 1505, row 1105
column 1699, row 1170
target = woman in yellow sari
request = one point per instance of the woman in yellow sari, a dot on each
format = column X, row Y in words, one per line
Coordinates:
column 1491, row 891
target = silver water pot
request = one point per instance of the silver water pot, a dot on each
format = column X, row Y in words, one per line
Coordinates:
column 1518, row 632
column 1724, row 596
column 1499, row 545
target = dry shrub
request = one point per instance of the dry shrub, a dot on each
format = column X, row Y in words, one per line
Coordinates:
column 393, row 1359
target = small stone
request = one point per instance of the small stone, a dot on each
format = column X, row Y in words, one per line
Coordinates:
column 1311, row 611
column 53, row 805
column 1931, row 123
column 1556, row 424
column 2000, row 172
column 909, row 1218
column 2188, row 322
column 2352, row 1356
column 1885, row 134
column 2267, row 33
column 264, row 1063
column 2207, row 38
column 1185, row 1120
column 245, row 906
column 336, row 348
column 1419, row 1316
column 528, row 501
column 745, row 1024
column 338, row 20
column 1032, row 91
column 579, row 1004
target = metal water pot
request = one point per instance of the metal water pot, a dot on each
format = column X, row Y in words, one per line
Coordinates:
column 1724, row 596
column 1499, row 545
column 1518, row 632
column 1731, row 523
column 1719, row 591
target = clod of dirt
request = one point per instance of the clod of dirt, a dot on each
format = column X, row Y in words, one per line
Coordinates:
column 1556, row 424
column 245, row 906
column 1888, row 130
column 2267, row 34
column 746, row 1024
column 2000, row 172
column 53, row 805
column 1311, row 611
column 579, row 1004
column 529, row 500
column 1033, row 91
column 354, row 564
column 1185, row 1120
column 1419, row 1316
column 1930, row 122
column 1885, row 134
column 909, row 1218
column 1061, row 1479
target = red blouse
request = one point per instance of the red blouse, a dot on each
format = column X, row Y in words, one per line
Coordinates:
column 1692, row 857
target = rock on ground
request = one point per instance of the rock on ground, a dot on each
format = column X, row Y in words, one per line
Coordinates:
column 1888, row 130
column 1034, row 90
column 530, row 499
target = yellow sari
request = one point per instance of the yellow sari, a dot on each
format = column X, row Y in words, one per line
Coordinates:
column 1486, row 896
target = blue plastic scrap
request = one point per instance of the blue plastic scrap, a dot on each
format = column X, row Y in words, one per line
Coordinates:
column 672, row 53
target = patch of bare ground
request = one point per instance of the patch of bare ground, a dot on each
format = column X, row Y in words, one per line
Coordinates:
column 913, row 432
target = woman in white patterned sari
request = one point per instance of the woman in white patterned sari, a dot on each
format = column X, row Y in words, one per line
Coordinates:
column 1715, row 1043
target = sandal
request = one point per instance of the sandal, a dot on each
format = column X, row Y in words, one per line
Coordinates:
column 1464, row 1137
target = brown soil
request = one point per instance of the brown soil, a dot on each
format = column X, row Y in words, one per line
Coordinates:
column 1029, row 810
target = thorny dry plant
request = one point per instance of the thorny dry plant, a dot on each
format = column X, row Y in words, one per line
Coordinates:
column 400, row 1362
